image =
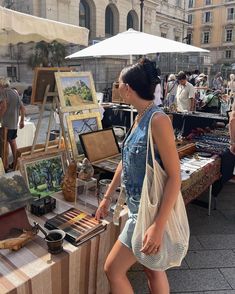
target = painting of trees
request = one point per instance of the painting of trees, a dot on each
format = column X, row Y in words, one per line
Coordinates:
column 44, row 176
column 14, row 192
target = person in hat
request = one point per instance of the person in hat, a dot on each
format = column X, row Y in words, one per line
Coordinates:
column 11, row 107
column 185, row 95
column 202, row 87
column 171, row 89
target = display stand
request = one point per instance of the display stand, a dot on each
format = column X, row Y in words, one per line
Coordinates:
column 82, row 189
column 4, row 146
column 55, row 106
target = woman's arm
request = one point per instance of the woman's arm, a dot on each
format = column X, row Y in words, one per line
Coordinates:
column 102, row 210
column 116, row 181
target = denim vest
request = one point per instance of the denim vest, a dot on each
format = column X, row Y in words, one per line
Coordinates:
column 134, row 160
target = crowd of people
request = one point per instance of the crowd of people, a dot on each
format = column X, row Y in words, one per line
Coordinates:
column 187, row 91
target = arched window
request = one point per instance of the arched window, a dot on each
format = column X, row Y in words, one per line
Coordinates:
column 84, row 14
column 130, row 21
column 109, row 21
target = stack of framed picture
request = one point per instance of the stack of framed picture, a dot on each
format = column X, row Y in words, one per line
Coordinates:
column 77, row 98
column 77, row 95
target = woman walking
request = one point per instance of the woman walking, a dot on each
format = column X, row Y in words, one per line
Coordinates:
column 136, row 85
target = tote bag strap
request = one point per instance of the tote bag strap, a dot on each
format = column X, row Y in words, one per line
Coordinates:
column 150, row 142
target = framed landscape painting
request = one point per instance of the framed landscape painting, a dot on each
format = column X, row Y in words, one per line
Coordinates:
column 44, row 76
column 80, row 124
column 43, row 172
column 76, row 91
column 14, row 192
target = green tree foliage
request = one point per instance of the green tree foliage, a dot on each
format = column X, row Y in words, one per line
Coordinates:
column 47, row 54
column 80, row 89
column 45, row 175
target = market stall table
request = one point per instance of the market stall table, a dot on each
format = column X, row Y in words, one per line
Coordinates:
column 200, row 181
column 117, row 115
column 185, row 122
column 76, row 270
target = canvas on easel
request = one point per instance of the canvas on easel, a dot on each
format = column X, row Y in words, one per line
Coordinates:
column 4, row 147
column 76, row 91
column 44, row 76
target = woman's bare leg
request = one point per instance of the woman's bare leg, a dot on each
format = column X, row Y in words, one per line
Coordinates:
column 119, row 260
column 157, row 281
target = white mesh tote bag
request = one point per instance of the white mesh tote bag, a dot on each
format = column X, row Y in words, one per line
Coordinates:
column 176, row 236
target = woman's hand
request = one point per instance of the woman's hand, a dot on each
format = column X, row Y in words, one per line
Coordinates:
column 103, row 209
column 152, row 240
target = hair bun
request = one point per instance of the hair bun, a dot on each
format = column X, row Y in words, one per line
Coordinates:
column 150, row 70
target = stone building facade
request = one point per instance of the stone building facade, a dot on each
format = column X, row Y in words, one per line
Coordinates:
column 212, row 26
column 104, row 18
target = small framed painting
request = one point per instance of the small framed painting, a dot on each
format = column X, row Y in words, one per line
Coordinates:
column 43, row 172
column 76, row 91
column 81, row 124
column 14, row 192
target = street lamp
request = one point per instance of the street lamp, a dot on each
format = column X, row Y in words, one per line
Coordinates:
column 141, row 14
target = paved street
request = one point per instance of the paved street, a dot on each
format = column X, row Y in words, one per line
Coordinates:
column 209, row 266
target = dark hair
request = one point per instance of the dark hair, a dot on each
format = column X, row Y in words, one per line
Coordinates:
column 181, row 76
column 142, row 77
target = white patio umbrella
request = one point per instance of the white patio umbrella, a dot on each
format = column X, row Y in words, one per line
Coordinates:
column 132, row 42
column 16, row 27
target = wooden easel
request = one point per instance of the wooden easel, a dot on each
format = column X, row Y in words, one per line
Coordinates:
column 4, row 146
column 55, row 108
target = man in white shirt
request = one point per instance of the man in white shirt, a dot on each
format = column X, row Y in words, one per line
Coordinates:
column 185, row 95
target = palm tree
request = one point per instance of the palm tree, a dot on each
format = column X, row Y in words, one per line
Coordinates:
column 47, row 54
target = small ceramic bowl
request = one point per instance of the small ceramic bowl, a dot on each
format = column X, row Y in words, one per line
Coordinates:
column 55, row 240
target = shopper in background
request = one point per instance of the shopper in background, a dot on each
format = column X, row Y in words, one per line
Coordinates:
column 136, row 85
column 193, row 79
column 11, row 107
column 232, row 129
column 158, row 89
column 231, row 86
column 217, row 82
column 202, row 86
column 158, row 94
column 185, row 95
column 171, row 89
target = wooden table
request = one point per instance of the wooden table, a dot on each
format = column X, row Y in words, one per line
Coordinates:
column 77, row 270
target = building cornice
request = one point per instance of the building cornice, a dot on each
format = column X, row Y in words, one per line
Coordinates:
column 210, row 7
column 173, row 18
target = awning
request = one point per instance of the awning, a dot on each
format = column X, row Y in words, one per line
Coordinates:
column 17, row 27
